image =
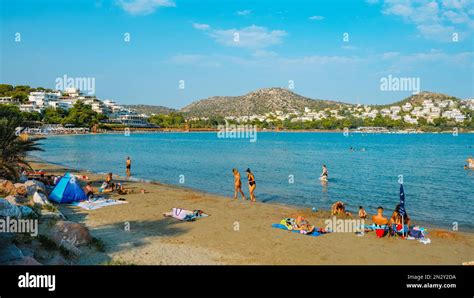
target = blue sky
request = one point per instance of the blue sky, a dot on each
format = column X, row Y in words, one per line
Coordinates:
column 279, row 41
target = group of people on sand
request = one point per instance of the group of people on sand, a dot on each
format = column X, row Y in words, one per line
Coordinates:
column 238, row 185
column 108, row 186
column 378, row 219
column 47, row 180
column 396, row 218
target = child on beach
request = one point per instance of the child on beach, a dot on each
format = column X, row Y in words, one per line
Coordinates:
column 89, row 190
column 237, row 184
column 362, row 213
column 339, row 208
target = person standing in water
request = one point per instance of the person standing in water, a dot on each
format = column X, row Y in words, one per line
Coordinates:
column 324, row 174
column 252, row 185
column 128, row 165
column 237, row 184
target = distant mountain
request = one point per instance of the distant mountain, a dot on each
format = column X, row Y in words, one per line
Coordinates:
column 270, row 100
column 257, row 102
column 150, row 109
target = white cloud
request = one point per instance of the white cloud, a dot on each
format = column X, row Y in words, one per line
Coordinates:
column 457, row 17
column 201, row 26
column 433, row 56
column 244, row 12
column 434, row 19
column 316, row 18
column 143, row 7
column 252, row 37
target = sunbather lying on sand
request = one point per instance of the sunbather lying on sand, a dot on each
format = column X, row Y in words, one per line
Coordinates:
column 183, row 214
column 303, row 225
column 121, row 190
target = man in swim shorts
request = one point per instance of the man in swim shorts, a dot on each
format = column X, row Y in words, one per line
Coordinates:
column 379, row 219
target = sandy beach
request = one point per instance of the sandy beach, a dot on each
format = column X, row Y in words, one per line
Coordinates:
column 238, row 232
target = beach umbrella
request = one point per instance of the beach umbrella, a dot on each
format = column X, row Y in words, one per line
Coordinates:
column 401, row 209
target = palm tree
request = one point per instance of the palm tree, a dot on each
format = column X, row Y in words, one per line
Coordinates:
column 13, row 148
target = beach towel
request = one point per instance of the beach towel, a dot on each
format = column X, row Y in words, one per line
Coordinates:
column 98, row 203
column 315, row 233
column 185, row 215
column 374, row 227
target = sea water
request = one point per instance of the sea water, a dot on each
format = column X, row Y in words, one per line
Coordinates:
column 287, row 166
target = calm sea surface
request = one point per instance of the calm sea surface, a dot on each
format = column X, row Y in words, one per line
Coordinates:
column 438, row 190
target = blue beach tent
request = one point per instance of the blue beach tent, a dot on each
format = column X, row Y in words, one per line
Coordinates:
column 68, row 190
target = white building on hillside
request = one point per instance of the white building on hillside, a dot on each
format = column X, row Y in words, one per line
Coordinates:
column 9, row 100
column 42, row 99
column 407, row 107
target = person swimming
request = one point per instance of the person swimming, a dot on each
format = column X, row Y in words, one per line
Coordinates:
column 252, row 185
column 237, row 184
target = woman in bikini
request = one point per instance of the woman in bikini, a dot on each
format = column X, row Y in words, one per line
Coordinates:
column 398, row 219
column 237, row 184
column 252, row 185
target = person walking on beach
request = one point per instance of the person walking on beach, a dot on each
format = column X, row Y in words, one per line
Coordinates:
column 252, row 185
column 237, row 184
column 128, row 165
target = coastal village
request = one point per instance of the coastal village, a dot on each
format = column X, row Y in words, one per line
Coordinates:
column 412, row 113
column 38, row 101
column 429, row 109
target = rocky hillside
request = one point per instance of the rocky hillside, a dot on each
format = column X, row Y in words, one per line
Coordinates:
column 417, row 99
column 257, row 102
column 149, row 109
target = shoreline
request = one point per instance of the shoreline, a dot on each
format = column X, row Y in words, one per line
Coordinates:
column 36, row 159
column 138, row 131
column 214, row 240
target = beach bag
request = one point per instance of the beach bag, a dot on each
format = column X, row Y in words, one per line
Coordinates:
column 380, row 232
column 417, row 234
column 289, row 223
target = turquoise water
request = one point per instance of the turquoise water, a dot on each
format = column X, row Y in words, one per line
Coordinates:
column 438, row 190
